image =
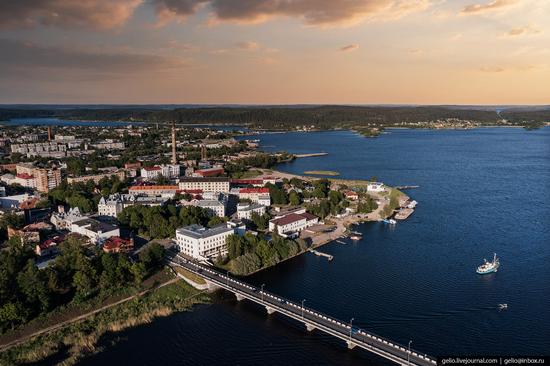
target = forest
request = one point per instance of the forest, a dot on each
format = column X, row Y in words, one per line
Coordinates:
column 284, row 117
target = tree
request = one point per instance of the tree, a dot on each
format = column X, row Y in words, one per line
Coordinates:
column 294, row 198
column 33, row 286
column 138, row 271
column 83, row 279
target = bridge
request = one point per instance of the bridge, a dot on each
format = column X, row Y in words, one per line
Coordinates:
column 311, row 318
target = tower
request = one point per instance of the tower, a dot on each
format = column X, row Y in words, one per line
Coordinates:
column 49, row 133
column 203, row 152
column 174, row 157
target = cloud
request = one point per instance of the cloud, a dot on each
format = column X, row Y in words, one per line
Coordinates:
column 522, row 31
column 25, row 56
column 94, row 14
column 248, row 46
column 311, row 12
column 484, row 8
column 492, row 69
column 349, row 48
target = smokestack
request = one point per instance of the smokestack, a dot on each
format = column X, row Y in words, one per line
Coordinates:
column 174, row 157
column 49, row 133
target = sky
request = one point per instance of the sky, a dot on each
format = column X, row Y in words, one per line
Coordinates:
column 275, row 52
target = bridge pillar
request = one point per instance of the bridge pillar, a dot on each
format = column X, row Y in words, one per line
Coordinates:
column 269, row 310
column 351, row 345
column 310, row 327
column 239, row 297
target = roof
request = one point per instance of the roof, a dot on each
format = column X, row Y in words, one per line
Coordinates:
column 200, row 232
column 209, row 203
column 152, row 188
column 95, row 225
column 209, row 170
column 288, row 219
column 152, row 168
column 24, row 176
column 204, row 179
column 247, row 181
column 254, row 190
column 309, row 216
column 116, row 242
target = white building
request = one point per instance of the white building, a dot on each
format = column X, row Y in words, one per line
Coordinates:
column 64, row 220
column 167, row 171
column 375, row 187
column 12, row 201
column 292, row 223
column 96, row 230
column 214, row 184
column 202, row 243
column 256, row 195
column 213, row 206
column 115, row 203
column 245, row 210
column 151, row 172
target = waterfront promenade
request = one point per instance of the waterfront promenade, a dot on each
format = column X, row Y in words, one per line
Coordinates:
column 311, row 318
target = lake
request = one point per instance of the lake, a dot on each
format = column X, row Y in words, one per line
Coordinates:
column 481, row 191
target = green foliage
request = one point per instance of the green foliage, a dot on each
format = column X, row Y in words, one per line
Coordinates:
column 153, row 256
column 161, row 222
column 366, row 205
column 332, row 205
column 278, row 195
column 260, row 222
column 294, row 198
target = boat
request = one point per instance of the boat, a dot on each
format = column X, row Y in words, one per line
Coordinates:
column 502, row 306
column 489, row 267
column 389, row 221
column 355, row 237
column 412, row 204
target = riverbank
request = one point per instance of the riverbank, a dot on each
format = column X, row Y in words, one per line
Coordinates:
column 70, row 341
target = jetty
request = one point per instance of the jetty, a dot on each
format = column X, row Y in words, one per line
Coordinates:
column 406, row 187
column 310, row 155
column 321, row 254
column 403, row 213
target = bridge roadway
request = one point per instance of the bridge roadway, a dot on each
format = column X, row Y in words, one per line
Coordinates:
column 311, row 318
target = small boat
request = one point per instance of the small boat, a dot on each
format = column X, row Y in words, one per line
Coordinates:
column 355, row 237
column 489, row 267
column 389, row 221
column 502, row 306
column 412, row 204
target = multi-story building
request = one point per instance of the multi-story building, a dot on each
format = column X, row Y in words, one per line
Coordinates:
column 97, row 177
column 115, row 203
column 63, row 220
column 163, row 191
column 375, row 187
column 213, row 206
column 170, row 171
column 214, row 184
column 53, row 149
column 151, row 172
column 291, row 224
column 256, row 195
column 245, row 210
column 202, row 243
column 109, row 144
column 209, row 172
column 96, row 231
column 40, row 178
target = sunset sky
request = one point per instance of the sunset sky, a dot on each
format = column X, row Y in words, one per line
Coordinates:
column 275, row 51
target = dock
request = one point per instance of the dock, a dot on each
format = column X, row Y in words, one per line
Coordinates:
column 310, row 155
column 403, row 213
column 340, row 242
column 406, row 187
column 321, row 254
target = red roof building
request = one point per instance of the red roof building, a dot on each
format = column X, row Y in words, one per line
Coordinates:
column 211, row 172
column 254, row 190
column 116, row 244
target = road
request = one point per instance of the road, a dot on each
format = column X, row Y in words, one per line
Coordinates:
column 310, row 317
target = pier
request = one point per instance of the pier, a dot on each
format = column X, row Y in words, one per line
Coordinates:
column 311, row 318
column 406, row 187
column 321, row 254
column 310, row 155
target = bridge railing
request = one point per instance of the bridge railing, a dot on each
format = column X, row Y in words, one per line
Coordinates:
column 225, row 280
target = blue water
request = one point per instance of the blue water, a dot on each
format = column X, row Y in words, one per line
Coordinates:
column 481, row 191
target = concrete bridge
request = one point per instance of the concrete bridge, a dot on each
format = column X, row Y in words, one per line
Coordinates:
column 311, row 318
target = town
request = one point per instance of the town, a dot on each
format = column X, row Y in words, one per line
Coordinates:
column 120, row 199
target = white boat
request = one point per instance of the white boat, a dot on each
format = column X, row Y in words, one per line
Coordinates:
column 489, row 267
column 502, row 306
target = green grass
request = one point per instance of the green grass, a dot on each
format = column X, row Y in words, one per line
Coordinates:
column 80, row 339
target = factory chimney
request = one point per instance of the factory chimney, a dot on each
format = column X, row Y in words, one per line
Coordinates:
column 174, row 157
column 49, row 133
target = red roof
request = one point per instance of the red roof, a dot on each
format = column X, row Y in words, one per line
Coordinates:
column 247, row 181
column 290, row 218
column 116, row 242
column 24, row 176
column 152, row 188
column 152, row 168
column 254, row 190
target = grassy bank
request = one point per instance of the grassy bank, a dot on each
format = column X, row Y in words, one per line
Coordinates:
column 78, row 340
